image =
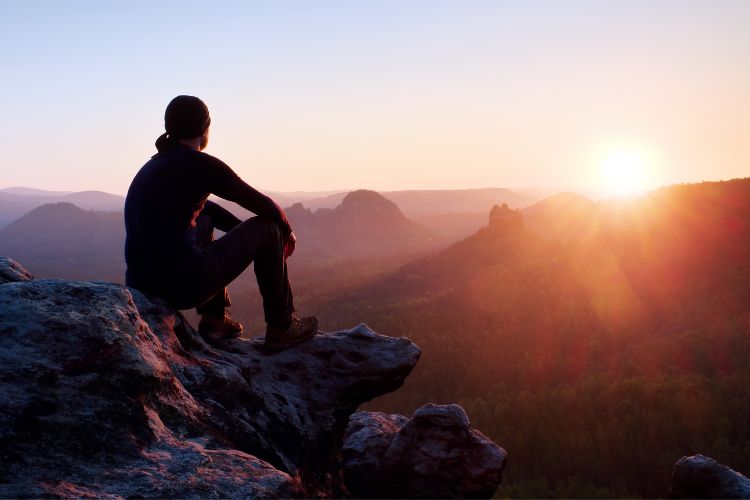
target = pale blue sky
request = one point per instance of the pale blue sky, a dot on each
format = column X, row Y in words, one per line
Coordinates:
column 386, row 95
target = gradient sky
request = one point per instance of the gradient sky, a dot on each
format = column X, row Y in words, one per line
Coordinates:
column 314, row 95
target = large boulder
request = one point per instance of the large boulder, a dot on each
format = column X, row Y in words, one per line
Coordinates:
column 104, row 392
column 703, row 477
column 367, row 438
column 435, row 454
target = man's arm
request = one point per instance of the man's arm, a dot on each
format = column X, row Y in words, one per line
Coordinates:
column 225, row 183
column 223, row 219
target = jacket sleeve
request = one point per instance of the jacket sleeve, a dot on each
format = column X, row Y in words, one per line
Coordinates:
column 224, row 220
column 225, row 183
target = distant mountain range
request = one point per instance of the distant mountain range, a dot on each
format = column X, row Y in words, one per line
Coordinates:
column 416, row 203
column 80, row 235
column 62, row 240
column 16, row 201
column 451, row 213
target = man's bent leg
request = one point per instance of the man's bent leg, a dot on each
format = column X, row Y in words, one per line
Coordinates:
column 260, row 240
column 273, row 281
column 215, row 324
column 217, row 304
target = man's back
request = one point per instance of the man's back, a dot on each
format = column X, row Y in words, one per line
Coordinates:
column 160, row 209
column 162, row 203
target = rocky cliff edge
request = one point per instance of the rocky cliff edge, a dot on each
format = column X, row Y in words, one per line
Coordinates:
column 106, row 393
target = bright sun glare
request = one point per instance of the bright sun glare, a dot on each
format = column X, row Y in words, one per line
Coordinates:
column 624, row 172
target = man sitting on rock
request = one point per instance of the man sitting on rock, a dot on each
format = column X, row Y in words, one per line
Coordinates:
column 169, row 247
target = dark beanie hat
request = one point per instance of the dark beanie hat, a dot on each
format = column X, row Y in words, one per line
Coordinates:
column 186, row 117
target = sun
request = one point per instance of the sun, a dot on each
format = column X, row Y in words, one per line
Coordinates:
column 624, row 171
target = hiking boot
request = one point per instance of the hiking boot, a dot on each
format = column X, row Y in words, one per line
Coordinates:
column 214, row 329
column 298, row 331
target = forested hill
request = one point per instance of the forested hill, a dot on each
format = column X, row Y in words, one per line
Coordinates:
column 61, row 240
column 598, row 359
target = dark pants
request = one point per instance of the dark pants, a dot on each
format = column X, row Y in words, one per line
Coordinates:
column 257, row 240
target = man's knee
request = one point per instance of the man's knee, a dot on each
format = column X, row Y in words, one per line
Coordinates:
column 265, row 227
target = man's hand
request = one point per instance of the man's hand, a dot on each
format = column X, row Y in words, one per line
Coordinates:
column 290, row 242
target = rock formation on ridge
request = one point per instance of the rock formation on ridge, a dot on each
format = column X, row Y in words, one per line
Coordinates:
column 503, row 218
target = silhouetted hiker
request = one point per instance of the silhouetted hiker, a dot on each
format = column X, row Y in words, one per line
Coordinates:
column 169, row 246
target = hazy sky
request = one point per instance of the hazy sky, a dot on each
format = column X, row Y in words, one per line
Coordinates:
column 312, row 95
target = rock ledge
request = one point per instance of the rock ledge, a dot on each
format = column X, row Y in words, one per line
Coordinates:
column 104, row 392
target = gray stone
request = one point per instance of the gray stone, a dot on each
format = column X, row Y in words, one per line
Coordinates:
column 367, row 438
column 703, row 477
column 435, row 454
